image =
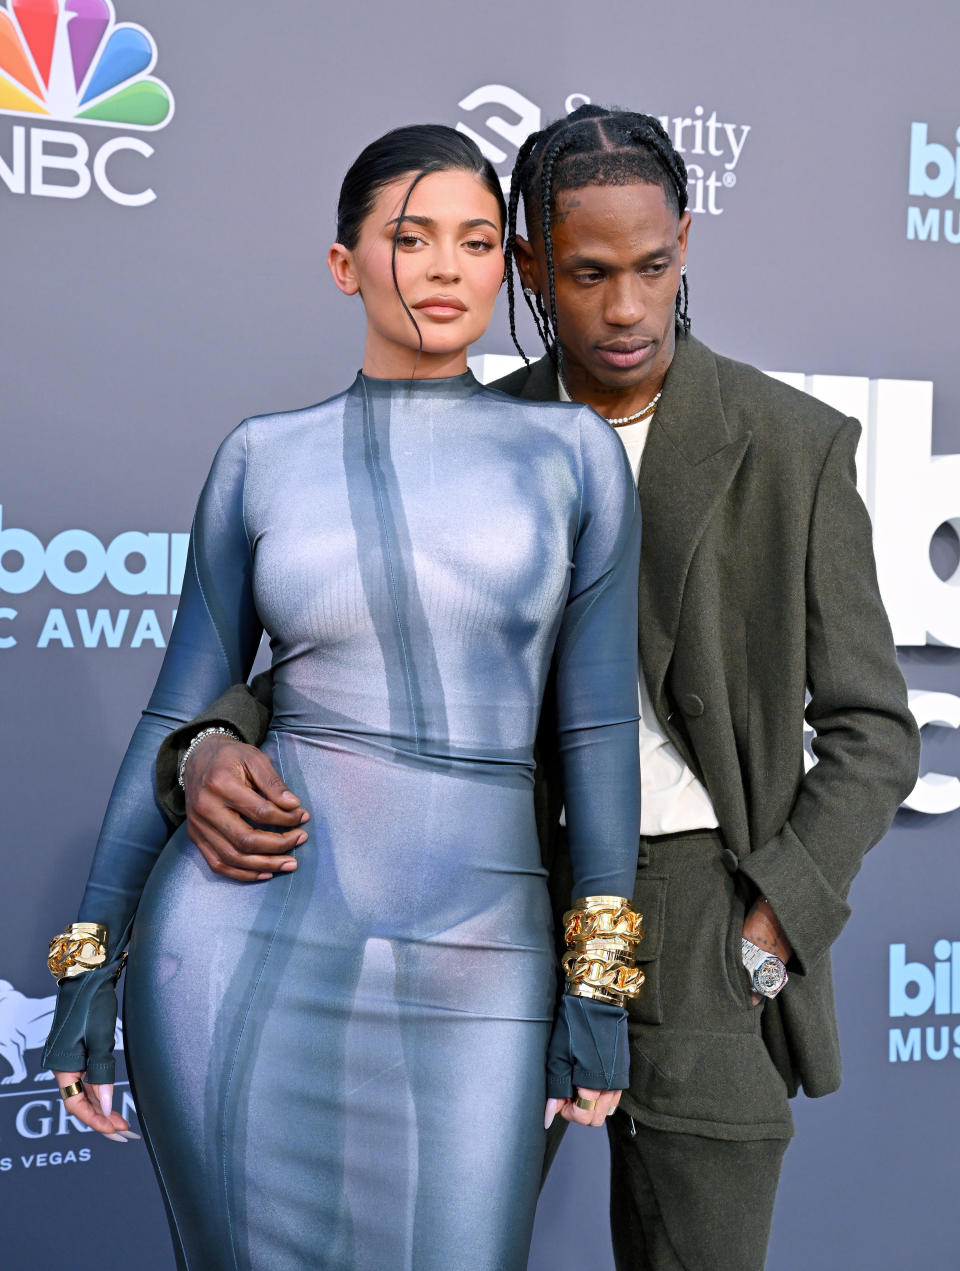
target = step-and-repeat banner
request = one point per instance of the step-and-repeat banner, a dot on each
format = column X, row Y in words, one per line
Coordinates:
column 168, row 180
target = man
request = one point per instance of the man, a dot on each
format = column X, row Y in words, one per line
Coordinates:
column 757, row 587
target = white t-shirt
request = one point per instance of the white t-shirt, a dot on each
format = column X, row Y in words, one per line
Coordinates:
column 672, row 799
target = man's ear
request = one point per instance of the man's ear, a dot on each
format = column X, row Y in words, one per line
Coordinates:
column 528, row 265
column 340, row 262
column 683, row 232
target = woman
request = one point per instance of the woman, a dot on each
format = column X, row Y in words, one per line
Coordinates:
column 344, row 1067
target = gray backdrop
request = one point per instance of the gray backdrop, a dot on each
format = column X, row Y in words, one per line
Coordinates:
column 134, row 337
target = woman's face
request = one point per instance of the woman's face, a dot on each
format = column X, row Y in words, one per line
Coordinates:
column 449, row 266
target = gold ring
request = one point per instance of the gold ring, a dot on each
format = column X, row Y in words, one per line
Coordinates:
column 587, row 1105
column 67, row 1092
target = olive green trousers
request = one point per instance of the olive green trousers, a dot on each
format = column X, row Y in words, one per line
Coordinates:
column 697, row 1144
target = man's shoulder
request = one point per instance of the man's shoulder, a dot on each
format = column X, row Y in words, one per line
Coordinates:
column 768, row 406
column 515, row 382
column 536, row 382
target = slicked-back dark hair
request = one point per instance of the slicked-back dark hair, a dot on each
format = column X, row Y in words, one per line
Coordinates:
column 419, row 149
column 591, row 146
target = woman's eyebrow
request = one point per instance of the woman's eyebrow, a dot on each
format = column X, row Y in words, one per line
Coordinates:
column 428, row 222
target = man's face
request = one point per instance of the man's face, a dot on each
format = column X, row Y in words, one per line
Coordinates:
column 617, row 253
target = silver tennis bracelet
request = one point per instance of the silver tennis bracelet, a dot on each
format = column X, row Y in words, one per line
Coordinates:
column 204, row 732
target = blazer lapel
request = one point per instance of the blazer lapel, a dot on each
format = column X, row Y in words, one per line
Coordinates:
column 689, row 461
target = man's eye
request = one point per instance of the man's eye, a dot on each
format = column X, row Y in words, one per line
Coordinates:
column 588, row 276
column 655, row 269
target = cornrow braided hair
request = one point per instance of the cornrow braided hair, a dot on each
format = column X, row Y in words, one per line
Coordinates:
column 591, row 146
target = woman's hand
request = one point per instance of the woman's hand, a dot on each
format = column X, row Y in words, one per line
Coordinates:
column 604, row 1101
column 93, row 1105
column 230, row 787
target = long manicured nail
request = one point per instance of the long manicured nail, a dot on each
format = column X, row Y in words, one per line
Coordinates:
column 129, row 1134
column 106, row 1100
column 551, row 1112
column 117, row 1138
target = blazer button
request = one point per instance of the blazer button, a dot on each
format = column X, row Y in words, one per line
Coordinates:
column 690, row 704
column 731, row 861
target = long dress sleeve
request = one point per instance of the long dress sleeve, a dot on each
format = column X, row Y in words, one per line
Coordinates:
column 597, row 673
column 597, row 717
column 213, row 644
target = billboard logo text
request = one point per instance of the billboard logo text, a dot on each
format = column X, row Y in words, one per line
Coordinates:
column 934, row 174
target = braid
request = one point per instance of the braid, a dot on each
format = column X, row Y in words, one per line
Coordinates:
column 509, row 251
column 652, row 134
column 682, row 309
column 547, row 163
column 649, row 132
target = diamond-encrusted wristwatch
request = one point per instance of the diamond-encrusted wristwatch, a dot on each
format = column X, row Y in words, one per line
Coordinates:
column 767, row 973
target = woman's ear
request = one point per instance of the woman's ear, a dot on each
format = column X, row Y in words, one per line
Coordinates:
column 340, row 262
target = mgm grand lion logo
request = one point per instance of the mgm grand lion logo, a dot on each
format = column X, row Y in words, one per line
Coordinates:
column 24, row 1024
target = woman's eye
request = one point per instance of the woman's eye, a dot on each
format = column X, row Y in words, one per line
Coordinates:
column 479, row 245
column 408, row 240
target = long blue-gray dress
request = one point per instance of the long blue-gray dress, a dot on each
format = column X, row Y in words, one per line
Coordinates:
column 343, row 1067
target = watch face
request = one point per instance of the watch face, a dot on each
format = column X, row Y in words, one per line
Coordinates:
column 769, row 976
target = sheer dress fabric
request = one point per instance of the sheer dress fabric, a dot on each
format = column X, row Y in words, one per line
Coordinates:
column 343, row 1067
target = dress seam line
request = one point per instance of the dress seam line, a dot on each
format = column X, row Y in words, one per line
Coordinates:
column 381, row 517
column 227, row 1086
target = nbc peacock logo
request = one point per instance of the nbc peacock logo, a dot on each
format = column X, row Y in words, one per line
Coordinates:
column 70, row 61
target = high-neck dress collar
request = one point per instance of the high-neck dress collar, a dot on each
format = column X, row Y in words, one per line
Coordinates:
column 454, row 386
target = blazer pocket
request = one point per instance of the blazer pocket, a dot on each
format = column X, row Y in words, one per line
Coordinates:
column 649, row 899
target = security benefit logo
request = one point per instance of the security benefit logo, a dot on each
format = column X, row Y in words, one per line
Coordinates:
column 78, row 563
column 710, row 146
column 933, row 215
column 36, row 1131
column 928, row 992
column 71, row 61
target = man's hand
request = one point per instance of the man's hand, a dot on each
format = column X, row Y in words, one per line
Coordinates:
column 229, row 788
column 762, row 929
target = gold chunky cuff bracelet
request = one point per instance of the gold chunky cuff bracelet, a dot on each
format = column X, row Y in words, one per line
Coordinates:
column 80, row 948
column 602, row 933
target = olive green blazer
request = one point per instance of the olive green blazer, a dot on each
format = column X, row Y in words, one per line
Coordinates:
column 758, row 604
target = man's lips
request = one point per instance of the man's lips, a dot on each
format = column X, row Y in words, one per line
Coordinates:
column 441, row 306
column 624, row 354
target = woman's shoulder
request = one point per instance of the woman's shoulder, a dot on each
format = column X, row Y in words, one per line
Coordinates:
column 600, row 445
column 587, row 437
column 560, row 418
column 283, row 422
